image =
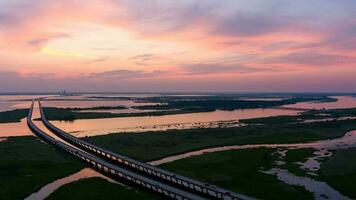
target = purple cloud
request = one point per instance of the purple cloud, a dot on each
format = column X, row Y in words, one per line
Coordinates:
column 44, row 40
column 125, row 74
column 216, row 68
column 313, row 59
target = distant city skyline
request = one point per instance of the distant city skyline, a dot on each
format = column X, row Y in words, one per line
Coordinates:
column 178, row 46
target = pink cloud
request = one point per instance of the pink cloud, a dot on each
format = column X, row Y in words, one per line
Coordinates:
column 234, row 40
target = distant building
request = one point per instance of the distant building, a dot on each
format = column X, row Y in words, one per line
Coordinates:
column 63, row 93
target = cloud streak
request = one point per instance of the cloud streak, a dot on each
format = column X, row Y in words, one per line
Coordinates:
column 111, row 40
column 216, row 68
column 125, row 74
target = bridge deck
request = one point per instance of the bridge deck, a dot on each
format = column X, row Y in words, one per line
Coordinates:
column 109, row 168
column 212, row 191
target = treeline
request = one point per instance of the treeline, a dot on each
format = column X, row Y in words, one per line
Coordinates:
column 13, row 115
column 227, row 104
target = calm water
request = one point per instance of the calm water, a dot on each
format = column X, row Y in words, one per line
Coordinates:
column 45, row 191
column 135, row 124
column 89, row 127
column 14, row 129
column 92, row 103
column 87, row 101
column 128, row 110
column 11, row 102
column 342, row 102
column 347, row 141
column 320, row 190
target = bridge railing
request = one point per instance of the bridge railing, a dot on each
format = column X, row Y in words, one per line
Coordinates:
column 182, row 181
column 114, row 170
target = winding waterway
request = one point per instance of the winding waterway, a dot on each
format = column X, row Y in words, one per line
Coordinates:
column 45, row 191
column 103, row 126
column 321, row 190
column 347, row 141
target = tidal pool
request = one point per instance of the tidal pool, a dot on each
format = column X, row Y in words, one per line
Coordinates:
column 321, row 190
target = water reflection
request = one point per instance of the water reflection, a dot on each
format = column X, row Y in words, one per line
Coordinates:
column 313, row 164
column 89, row 127
column 11, row 102
column 347, row 141
column 92, row 103
column 45, row 191
column 321, row 190
column 14, row 129
column 48, row 189
column 140, row 124
column 342, row 102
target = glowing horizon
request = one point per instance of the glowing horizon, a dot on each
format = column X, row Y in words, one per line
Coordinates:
column 188, row 45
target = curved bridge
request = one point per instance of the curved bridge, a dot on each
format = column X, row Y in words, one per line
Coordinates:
column 113, row 170
column 145, row 169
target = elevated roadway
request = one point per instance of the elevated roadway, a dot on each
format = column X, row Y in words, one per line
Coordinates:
column 114, row 170
column 176, row 180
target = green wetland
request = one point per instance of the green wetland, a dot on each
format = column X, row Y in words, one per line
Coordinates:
column 264, row 172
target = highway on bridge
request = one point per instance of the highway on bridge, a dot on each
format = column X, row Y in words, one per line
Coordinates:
column 112, row 170
column 141, row 174
column 143, row 168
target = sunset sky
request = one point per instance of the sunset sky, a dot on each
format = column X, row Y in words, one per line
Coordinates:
column 178, row 46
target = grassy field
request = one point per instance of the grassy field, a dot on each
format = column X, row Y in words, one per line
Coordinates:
column 224, row 103
column 271, row 120
column 349, row 112
column 239, row 170
column 153, row 145
column 27, row 164
column 70, row 115
column 99, row 108
column 340, row 171
column 297, row 155
column 313, row 114
column 13, row 115
column 171, row 106
column 98, row 189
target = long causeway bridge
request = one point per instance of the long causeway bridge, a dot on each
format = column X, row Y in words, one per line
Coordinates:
column 167, row 184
